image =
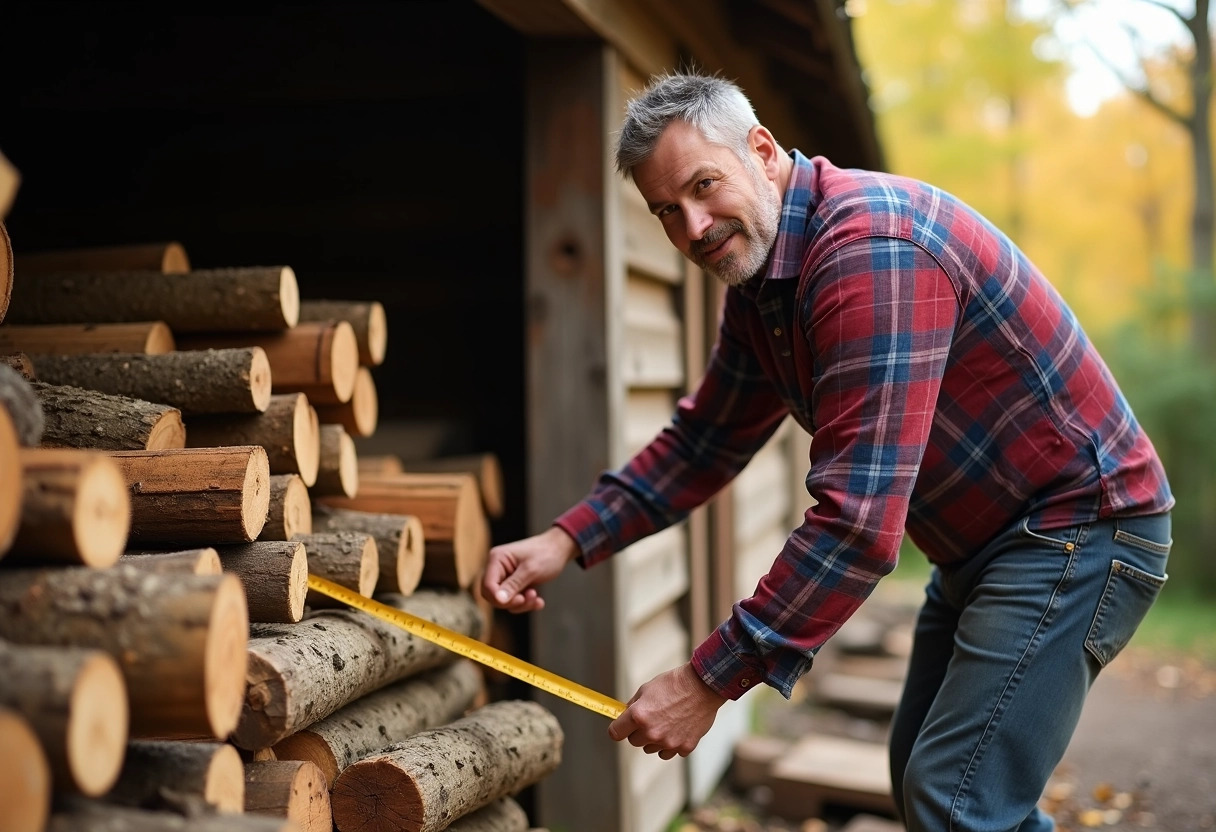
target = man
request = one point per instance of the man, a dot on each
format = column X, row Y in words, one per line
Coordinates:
column 949, row 391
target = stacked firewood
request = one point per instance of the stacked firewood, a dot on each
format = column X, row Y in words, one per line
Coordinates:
column 176, row 457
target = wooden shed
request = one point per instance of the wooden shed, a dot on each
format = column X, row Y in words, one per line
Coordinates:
column 452, row 159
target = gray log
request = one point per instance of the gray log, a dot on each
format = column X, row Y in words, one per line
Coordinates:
column 18, row 397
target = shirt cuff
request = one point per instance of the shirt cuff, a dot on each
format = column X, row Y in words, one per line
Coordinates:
column 583, row 524
column 723, row 670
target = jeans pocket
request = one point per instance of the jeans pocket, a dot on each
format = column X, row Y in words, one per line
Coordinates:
column 1129, row 593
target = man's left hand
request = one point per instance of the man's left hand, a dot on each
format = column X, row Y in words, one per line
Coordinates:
column 669, row 714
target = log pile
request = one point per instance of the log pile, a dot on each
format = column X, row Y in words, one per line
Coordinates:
column 176, row 455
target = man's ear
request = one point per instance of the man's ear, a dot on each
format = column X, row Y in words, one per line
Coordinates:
column 762, row 143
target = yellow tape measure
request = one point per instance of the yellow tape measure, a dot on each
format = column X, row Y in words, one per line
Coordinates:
column 473, row 649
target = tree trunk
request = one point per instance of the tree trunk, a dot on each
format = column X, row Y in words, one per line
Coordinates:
column 434, row 777
column 399, row 543
column 180, row 640
column 291, row 789
column 320, row 359
column 91, row 816
column 263, row 299
column 290, row 509
column 198, row 496
column 148, row 338
column 1203, row 213
column 503, row 815
column 485, row 467
column 25, row 777
column 453, row 521
column 275, row 575
column 20, row 363
column 17, row 394
column 76, row 702
column 374, row 722
column 75, row 509
column 359, row 415
column 11, row 486
column 199, row 381
column 6, row 255
column 205, row 561
column 349, row 559
column 288, row 430
column 77, row 418
column 338, row 466
column 178, row 775
column 301, row 673
column 162, row 257
column 366, row 318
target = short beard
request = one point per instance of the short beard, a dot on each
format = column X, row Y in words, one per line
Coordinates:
column 764, row 216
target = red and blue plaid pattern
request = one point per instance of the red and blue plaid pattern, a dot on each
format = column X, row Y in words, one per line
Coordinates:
column 949, row 389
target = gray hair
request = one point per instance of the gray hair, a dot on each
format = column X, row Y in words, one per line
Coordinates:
column 714, row 106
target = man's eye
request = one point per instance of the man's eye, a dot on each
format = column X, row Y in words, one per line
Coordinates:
column 664, row 211
column 704, row 183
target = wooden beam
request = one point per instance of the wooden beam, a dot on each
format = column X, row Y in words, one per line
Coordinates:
column 538, row 18
column 630, row 27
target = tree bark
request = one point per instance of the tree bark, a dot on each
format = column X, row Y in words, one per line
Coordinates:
column 172, row 775
column 319, row 359
column 338, row 466
column 11, row 486
column 349, row 559
column 399, row 543
column 91, row 816
column 359, row 415
column 195, row 382
column 76, row 702
column 291, row 789
column 166, row 258
column 485, row 467
column 392, row 714
column 74, row 509
column 301, row 673
column 275, row 575
column 205, row 561
column 453, row 522
column 429, row 780
column 25, row 777
column 77, row 418
column 19, row 363
column 262, row 299
column 288, row 430
column 179, row 639
column 17, row 394
column 148, row 338
column 197, row 496
column 290, row 509
column 366, row 318
column 503, row 815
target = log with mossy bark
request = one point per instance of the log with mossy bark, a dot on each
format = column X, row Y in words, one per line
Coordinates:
column 146, row 337
column 400, row 543
column 288, row 430
column 168, row 774
column 79, row 418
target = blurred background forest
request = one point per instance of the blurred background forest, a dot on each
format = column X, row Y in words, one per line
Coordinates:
column 1081, row 128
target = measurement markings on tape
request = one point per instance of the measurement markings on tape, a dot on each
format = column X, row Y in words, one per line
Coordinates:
column 471, row 648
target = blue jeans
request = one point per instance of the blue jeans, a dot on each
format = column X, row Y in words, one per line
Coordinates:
column 1006, row 648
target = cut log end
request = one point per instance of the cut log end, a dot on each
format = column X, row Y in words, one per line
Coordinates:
column 380, row 797
column 98, row 725
column 306, row 439
column 101, row 517
column 289, row 296
column 10, row 482
column 294, row 789
column 224, row 787
column 25, row 777
column 290, row 509
column 169, row 432
column 305, row 745
column 255, row 504
column 260, row 382
column 226, row 656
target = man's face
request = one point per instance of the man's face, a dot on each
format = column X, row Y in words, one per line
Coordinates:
column 721, row 213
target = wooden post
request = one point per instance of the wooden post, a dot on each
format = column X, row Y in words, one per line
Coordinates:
column 262, row 299
column 301, row 673
column 149, row 338
column 349, row 559
column 319, row 359
column 291, row 789
column 366, row 318
column 359, row 415
column 390, row 715
column 196, row 496
column 77, row 418
column 338, row 468
column 11, row 488
column 485, row 467
column 166, row 258
column 435, row 776
column 179, row 639
column 18, row 396
column 275, row 575
column 156, row 772
column 76, row 702
column 205, row 561
column 400, row 542
column 503, row 815
column 453, row 522
column 290, row 509
column 75, row 509
column 288, row 430
column 195, row 381
column 25, row 777
column 91, row 816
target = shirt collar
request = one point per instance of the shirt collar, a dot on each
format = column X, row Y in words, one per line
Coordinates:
column 790, row 245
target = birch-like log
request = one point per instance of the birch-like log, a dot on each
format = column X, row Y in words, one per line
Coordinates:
column 11, row 486
column 179, row 639
column 193, row 381
column 366, row 318
column 288, row 430
column 159, row 774
column 18, row 396
column 147, row 337
column 503, row 815
column 196, row 496
column 78, row 418
column 80, row 815
column 25, row 777
column 291, row 789
column 338, row 467
column 262, row 299
column 359, row 415
column 166, row 258
column 205, row 561
column 400, row 543
column 76, row 702
column 349, row 559
column 75, row 509
column 429, row 780
column 301, row 673
column 374, row 722
column 290, row 508
column 275, row 575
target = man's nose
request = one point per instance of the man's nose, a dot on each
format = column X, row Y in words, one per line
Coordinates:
column 696, row 223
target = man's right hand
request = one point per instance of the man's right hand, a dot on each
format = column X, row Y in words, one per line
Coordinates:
column 515, row 570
